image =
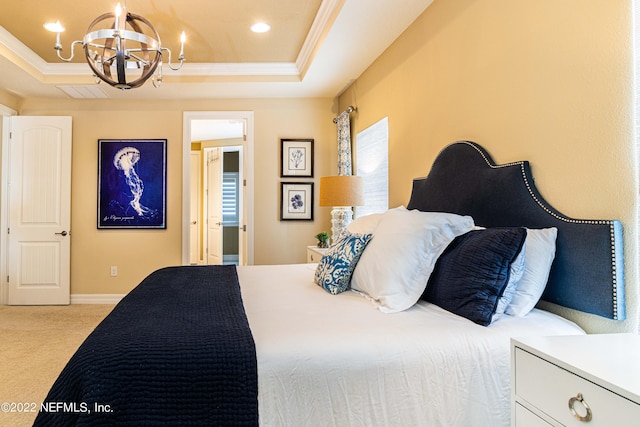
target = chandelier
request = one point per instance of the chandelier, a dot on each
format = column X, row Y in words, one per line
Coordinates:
column 122, row 49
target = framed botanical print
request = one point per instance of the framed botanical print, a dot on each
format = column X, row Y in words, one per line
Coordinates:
column 296, row 201
column 132, row 183
column 296, row 158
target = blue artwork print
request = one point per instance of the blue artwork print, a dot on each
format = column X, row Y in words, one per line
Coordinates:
column 297, row 202
column 132, row 184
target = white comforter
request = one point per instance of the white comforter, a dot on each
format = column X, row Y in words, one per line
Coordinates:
column 335, row 360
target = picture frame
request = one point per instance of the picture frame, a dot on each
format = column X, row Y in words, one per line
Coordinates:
column 132, row 183
column 296, row 158
column 296, row 201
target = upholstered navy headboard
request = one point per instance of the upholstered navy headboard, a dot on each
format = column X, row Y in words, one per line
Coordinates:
column 588, row 270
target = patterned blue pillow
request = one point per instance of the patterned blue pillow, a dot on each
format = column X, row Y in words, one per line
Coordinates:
column 337, row 265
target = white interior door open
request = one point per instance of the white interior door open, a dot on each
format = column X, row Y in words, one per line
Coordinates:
column 194, row 223
column 214, row 206
column 39, row 240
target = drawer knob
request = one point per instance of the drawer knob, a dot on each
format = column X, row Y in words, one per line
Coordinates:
column 572, row 403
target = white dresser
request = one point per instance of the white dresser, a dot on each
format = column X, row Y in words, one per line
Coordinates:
column 588, row 380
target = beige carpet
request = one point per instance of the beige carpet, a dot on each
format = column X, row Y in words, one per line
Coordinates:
column 35, row 344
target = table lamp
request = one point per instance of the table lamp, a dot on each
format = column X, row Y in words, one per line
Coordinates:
column 342, row 192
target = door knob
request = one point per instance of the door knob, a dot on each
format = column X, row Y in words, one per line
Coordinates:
column 62, row 233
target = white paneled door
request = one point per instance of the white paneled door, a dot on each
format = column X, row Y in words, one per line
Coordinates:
column 194, row 222
column 39, row 238
column 214, row 206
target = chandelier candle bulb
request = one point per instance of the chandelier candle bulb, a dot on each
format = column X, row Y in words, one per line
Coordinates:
column 183, row 38
column 58, row 45
column 118, row 11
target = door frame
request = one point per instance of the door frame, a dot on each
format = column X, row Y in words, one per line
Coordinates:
column 247, row 117
column 6, row 114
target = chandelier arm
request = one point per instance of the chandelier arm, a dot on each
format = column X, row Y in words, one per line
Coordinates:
column 173, row 67
column 99, row 46
column 58, row 49
column 143, row 61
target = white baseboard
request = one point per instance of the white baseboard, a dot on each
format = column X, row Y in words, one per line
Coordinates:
column 96, row 298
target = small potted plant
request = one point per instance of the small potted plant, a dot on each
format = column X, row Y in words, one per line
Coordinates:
column 323, row 239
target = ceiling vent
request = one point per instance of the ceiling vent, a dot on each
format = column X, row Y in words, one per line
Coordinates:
column 83, row 91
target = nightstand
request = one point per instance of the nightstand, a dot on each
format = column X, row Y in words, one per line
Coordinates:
column 577, row 380
column 314, row 253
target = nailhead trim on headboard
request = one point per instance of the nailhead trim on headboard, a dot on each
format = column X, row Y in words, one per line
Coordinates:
column 590, row 256
column 562, row 218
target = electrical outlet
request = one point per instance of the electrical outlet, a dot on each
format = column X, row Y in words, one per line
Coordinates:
column 114, row 270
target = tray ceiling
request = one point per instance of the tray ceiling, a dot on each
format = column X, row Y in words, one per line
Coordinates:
column 315, row 47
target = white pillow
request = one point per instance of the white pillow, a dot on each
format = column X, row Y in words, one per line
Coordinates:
column 396, row 265
column 364, row 224
column 539, row 253
column 367, row 224
column 516, row 271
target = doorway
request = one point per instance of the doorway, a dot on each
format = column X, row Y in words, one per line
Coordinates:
column 216, row 232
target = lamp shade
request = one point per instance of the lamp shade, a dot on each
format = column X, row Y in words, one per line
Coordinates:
column 341, row 190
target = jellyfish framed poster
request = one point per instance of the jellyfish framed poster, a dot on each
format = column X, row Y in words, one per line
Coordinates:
column 296, row 201
column 296, row 158
column 132, row 183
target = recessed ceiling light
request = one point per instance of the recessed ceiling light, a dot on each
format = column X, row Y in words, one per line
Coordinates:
column 260, row 27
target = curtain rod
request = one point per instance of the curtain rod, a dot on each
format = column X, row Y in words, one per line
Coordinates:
column 348, row 111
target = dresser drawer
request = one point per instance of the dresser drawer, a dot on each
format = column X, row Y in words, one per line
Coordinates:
column 549, row 388
column 526, row 418
column 314, row 254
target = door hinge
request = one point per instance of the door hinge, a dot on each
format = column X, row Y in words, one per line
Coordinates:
column 244, row 182
column 244, row 138
column 8, row 230
column 244, row 227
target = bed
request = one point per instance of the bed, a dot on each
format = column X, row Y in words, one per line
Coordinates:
column 265, row 345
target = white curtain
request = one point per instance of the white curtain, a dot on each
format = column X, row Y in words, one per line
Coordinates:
column 344, row 142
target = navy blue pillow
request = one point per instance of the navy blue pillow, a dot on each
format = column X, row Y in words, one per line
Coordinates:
column 472, row 273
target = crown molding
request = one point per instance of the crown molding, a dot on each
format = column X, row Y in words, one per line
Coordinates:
column 326, row 16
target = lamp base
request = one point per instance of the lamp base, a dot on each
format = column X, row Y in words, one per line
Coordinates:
column 340, row 218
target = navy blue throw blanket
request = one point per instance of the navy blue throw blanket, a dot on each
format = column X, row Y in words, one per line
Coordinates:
column 176, row 351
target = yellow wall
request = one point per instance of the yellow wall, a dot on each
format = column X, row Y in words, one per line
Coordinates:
column 139, row 252
column 545, row 81
column 9, row 100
